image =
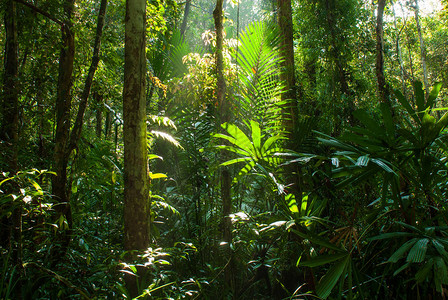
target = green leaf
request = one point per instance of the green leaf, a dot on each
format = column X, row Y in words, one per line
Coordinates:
column 419, row 96
column 327, row 283
column 390, row 235
column 271, row 140
column 407, row 106
column 153, row 156
column 406, row 265
column 323, row 259
column 234, row 149
column 402, row 250
column 418, row 251
column 441, row 249
column 433, row 95
column 363, row 161
column 235, row 160
column 39, row 190
column 440, row 274
column 315, row 239
column 369, row 122
column 423, row 272
column 387, row 118
column 167, row 137
column 240, row 138
column 383, row 164
column 292, row 203
column 256, row 137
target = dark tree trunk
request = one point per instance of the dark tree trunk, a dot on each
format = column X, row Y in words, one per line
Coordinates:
column 11, row 228
column 224, row 116
column 284, row 15
column 63, row 106
column 136, row 179
column 99, row 113
column 183, row 27
column 108, row 125
column 77, row 127
column 383, row 87
column 10, row 104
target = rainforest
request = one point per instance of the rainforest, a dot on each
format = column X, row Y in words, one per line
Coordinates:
column 223, row 149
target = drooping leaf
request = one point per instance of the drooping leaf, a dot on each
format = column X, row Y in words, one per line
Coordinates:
column 418, row 252
column 433, row 95
column 419, row 96
column 423, row 272
column 405, row 266
column 383, row 164
column 407, row 106
column 327, row 283
column 440, row 249
column 390, row 235
column 397, row 255
column 323, row 259
column 316, row 239
column 371, row 124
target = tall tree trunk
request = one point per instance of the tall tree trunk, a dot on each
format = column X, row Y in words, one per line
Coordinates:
column 383, row 87
column 108, row 124
column 99, row 113
column 63, row 106
column 284, row 15
column 9, row 133
column 183, row 27
column 341, row 63
column 77, row 127
column 10, row 104
column 224, row 115
column 136, row 179
column 422, row 48
column 398, row 49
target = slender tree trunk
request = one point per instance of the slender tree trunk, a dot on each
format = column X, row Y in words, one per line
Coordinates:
column 284, row 15
column 108, row 125
column 63, row 106
column 183, row 27
column 398, row 49
column 422, row 48
column 11, row 228
column 136, row 179
column 224, row 114
column 99, row 113
column 77, row 127
column 341, row 63
column 10, row 104
column 383, row 87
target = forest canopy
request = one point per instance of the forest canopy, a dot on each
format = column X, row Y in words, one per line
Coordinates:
column 256, row 149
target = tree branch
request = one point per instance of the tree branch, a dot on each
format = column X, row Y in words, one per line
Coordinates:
column 42, row 12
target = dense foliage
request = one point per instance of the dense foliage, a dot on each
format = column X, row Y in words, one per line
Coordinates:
column 342, row 195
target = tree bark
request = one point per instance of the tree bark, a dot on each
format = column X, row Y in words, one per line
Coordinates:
column 284, row 16
column 224, row 116
column 398, row 49
column 99, row 113
column 63, row 106
column 10, row 104
column 422, row 48
column 11, row 228
column 183, row 27
column 77, row 127
column 383, row 87
column 136, row 179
